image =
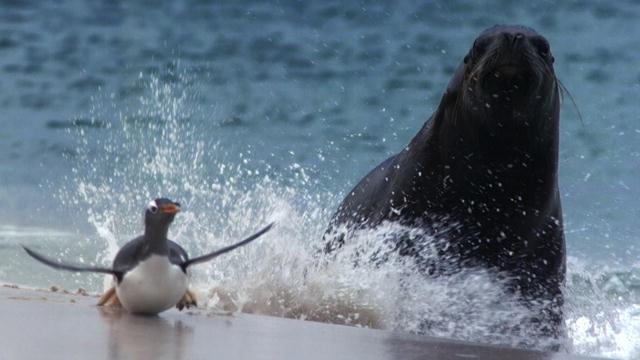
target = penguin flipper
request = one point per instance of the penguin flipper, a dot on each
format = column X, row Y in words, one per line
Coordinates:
column 226, row 249
column 70, row 267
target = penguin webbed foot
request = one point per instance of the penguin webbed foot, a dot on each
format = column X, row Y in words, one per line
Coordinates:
column 110, row 298
column 187, row 301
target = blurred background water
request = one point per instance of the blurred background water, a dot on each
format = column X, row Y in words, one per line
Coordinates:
column 249, row 111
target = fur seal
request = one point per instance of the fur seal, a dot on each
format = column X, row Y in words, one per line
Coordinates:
column 485, row 167
column 150, row 271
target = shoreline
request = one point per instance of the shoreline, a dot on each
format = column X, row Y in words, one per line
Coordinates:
column 41, row 322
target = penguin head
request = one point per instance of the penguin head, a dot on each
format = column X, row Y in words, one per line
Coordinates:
column 161, row 212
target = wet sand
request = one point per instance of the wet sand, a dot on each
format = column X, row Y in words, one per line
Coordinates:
column 55, row 325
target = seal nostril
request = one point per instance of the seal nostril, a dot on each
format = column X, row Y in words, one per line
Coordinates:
column 513, row 39
column 518, row 38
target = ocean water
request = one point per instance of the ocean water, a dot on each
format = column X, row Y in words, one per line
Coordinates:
column 252, row 111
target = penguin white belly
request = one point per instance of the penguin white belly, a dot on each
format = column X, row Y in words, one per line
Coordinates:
column 153, row 286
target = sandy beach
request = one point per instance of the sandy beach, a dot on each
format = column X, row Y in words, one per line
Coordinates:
column 40, row 324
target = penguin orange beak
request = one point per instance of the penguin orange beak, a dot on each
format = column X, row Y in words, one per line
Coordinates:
column 170, row 209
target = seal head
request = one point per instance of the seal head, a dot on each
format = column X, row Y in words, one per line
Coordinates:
column 506, row 87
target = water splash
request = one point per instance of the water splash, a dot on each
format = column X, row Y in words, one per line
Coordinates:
column 162, row 146
column 603, row 309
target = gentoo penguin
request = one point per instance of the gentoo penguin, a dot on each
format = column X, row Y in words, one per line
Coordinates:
column 150, row 272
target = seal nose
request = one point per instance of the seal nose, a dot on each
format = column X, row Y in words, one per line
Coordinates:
column 515, row 40
column 518, row 38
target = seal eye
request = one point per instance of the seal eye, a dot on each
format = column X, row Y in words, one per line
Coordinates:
column 480, row 46
column 541, row 45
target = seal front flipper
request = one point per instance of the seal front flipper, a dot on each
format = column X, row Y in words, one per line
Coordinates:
column 226, row 249
column 71, row 267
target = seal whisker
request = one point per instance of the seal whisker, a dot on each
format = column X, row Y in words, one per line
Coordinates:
column 566, row 91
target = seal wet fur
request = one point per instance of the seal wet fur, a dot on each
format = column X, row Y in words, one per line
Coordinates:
column 485, row 166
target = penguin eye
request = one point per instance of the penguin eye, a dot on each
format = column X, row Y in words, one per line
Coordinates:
column 153, row 207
